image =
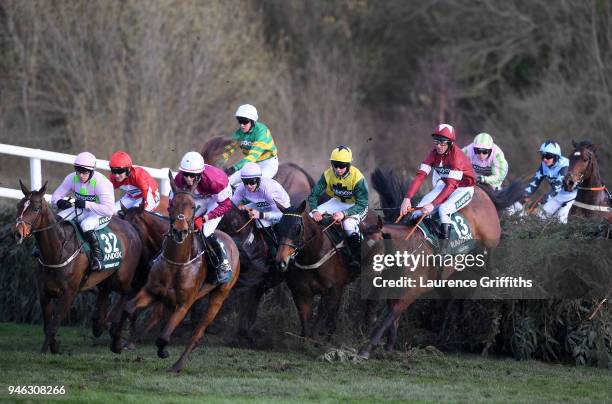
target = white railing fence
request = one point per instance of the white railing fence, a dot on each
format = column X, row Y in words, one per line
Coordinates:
column 37, row 155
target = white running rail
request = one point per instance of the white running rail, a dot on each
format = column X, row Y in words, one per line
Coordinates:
column 37, row 155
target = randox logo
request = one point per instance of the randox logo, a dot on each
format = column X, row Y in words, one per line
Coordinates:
column 462, row 201
column 442, row 170
column 89, row 198
column 246, row 143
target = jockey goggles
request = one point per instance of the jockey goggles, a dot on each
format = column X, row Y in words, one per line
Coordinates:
column 340, row 164
column 191, row 175
column 548, row 156
column 119, row 170
column 243, row 121
column 250, row 181
column 82, row 170
column 478, row 150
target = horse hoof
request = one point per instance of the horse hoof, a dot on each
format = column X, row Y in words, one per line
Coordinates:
column 97, row 330
column 129, row 346
column 162, row 353
column 54, row 347
column 116, row 346
column 364, row 354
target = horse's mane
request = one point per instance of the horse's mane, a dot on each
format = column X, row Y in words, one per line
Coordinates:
column 311, row 181
column 213, row 149
column 391, row 190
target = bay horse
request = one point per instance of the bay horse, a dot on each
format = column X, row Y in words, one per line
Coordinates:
column 482, row 216
column 178, row 276
column 319, row 267
column 63, row 269
column 593, row 198
column 292, row 177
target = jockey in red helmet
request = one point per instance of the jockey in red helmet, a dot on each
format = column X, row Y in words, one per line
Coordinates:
column 136, row 183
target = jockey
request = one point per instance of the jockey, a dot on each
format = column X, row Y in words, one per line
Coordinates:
column 552, row 169
column 453, row 191
column 94, row 201
column 136, row 182
column 261, row 197
column 212, row 196
column 488, row 161
column 349, row 203
column 256, row 143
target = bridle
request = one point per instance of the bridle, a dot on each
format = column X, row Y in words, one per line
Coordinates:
column 32, row 230
column 182, row 217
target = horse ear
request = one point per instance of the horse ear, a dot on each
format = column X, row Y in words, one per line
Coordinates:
column 193, row 187
column 43, row 188
column 24, row 189
column 172, row 182
column 379, row 225
column 302, row 207
column 280, row 207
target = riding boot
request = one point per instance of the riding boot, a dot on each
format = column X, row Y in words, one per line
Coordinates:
column 96, row 253
column 445, row 238
column 354, row 244
column 220, row 259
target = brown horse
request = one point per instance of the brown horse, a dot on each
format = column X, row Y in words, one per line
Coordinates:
column 178, row 276
column 481, row 213
column 292, row 177
column 63, row 270
column 320, row 268
column 592, row 198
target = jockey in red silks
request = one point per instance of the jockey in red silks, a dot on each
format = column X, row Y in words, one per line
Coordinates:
column 454, row 188
column 136, row 182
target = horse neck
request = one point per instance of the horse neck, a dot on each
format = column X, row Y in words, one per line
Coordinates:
column 50, row 241
column 592, row 180
column 314, row 238
column 155, row 229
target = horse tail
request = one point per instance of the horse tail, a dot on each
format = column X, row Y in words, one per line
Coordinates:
column 505, row 197
column 390, row 192
column 311, row 181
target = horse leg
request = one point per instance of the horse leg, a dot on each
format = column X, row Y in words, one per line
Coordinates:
column 47, row 306
column 118, row 316
column 249, row 305
column 214, row 305
column 156, row 316
column 370, row 316
column 140, row 301
column 302, row 296
column 173, row 322
column 98, row 319
column 60, row 311
column 392, row 336
column 378, row 334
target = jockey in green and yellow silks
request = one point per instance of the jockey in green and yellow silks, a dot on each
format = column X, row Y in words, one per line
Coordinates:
column 348, row 190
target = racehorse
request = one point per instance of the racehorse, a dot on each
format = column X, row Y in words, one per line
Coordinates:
column 178, row 276
column 320, row 267
column 482, row 216
column 63, row 270
column 592, row 198
column 292, row 177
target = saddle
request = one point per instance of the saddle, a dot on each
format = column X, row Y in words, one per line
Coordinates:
column 461, row 236
column 110, row 244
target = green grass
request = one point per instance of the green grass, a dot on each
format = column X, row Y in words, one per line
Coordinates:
column 91, row 373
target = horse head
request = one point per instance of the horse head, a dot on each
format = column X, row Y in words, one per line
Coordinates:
column 31, row 210
column 182, row 212
column 581, row 164
column 290, row 234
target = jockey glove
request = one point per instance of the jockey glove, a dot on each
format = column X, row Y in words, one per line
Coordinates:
column 480, row 180
column 199, row 221
column 63, row 204
column 230, row 170
column 79, row 203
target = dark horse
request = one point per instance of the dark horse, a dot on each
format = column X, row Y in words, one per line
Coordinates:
column 178, row 276
column 63, row 270
column 592, row 198
column 482, row 215
column 256, row 276
column 320, row 267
